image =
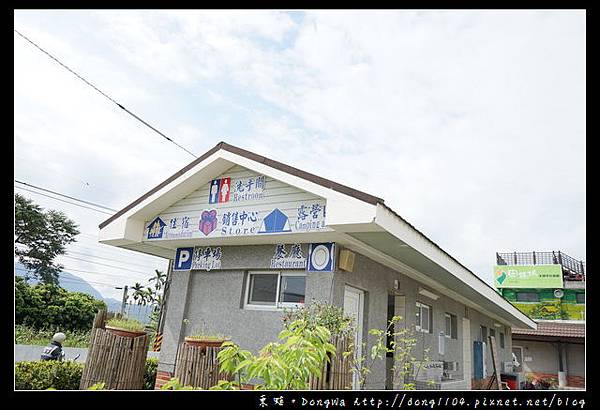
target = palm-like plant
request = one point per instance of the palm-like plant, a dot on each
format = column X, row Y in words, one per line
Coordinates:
column 159, row 278
column 138, row 293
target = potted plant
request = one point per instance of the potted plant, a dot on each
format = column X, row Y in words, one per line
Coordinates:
column 200, row 337
column 206, row 340
column 125, row 327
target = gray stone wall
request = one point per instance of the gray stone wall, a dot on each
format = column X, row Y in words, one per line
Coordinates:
column 214, row 300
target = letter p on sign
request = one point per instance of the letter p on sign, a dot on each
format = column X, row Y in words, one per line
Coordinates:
column 183, row 259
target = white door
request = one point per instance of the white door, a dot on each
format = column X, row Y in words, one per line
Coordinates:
column 353, row 306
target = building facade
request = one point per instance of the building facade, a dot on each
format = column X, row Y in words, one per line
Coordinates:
column 550, row 288
column 543, row 285
column 249, row 237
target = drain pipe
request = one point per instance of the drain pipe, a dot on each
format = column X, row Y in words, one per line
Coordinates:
column 562, row 375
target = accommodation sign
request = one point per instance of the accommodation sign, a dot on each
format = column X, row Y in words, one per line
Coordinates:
column 528, row 276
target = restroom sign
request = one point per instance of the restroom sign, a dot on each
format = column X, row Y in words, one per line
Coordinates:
column 219, row 191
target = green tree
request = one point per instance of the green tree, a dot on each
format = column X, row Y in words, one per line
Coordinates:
column 52, row 307
column 40, row 237
column 287, row 365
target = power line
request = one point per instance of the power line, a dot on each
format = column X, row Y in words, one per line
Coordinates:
column 102, row 93
column 110, row 259
column 66, row 196
column 121, row 278
column 112, row 251
column 104, row 264
column 79, row 280
column 62, row 200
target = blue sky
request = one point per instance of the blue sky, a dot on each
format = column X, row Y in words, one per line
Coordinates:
column 470, row 124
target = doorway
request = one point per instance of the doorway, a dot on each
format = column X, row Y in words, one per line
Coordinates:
column 517, row 353
column 354, row 300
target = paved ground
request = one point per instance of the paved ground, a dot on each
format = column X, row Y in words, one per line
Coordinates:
column 33, row 352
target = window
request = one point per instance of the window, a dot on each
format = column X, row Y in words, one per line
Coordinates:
column 528, row 297
column 424, row 321
column 275, row 289
column 501, row 340
column 451, row 326
column 580, row 297
column 493, row 332
column 483, row 334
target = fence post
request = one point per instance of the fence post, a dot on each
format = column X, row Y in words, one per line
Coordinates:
column 559, row 258
column 115, row 360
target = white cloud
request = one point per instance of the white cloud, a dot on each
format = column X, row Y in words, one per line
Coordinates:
column 471, row 124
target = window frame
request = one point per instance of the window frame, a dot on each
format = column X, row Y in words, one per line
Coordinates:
column 420, row 306
column 453, row 329
column 278, row 305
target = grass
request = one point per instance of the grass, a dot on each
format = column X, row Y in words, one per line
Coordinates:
column 25, row 335
column 127, row 324
column 210, row 338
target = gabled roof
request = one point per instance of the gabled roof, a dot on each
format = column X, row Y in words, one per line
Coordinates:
column 560, row 329
column 359, row 220
column 363, row 196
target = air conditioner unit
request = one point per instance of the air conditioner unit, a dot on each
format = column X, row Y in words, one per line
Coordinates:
column 451, row 366
column 508, row 367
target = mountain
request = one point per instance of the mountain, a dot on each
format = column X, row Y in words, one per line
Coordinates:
column 74, row 283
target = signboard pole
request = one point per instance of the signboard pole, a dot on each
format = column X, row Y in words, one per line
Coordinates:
column 496, row 376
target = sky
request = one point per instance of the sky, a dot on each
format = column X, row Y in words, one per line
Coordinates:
column 470, row 124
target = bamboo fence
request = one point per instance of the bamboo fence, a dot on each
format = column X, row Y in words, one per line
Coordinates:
column 117, row 361
column 198, row 366
column 336, row 373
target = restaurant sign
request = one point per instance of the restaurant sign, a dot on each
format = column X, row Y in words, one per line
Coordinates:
column 288, row 259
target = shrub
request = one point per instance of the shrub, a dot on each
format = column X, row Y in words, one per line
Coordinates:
column 302, row 350
column 42, row 375
column 319, row 313
column 65, row 375
column 50, row 306
column 150, row 373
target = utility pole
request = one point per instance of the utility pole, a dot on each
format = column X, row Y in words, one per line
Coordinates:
column 124, row 301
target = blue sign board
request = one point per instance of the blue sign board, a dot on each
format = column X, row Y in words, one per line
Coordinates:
column 275, row 222
column 321, row 257
column 155, row 228
column 213, row 193
column 183, row 259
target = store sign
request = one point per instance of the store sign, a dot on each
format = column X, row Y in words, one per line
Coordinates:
column 528, row 276
column 198, row 258
column 294, row 259
column 258, row 219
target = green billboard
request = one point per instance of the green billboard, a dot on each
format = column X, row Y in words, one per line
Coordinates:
column 528, row 276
